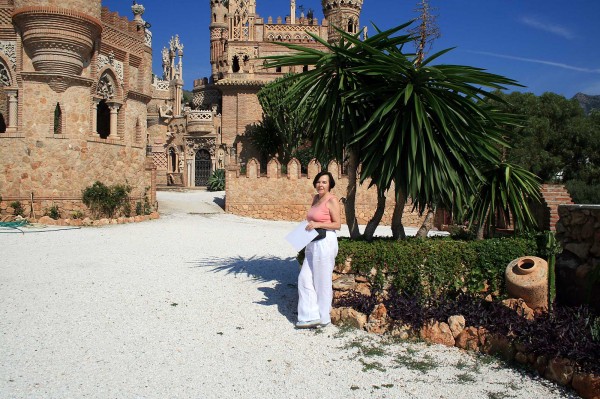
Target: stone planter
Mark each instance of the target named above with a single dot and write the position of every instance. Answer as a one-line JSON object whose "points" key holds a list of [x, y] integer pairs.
{"points": [[527, 278]]}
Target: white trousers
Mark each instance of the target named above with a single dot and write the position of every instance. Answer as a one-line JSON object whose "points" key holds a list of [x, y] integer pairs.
{"points": [[315, 292]]}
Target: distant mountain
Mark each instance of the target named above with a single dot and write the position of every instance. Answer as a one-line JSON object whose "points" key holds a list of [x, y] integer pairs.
{"points": [[587, 102]]}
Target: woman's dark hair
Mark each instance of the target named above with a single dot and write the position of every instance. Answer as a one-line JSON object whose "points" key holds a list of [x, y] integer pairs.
{"points": [[331, 179]]}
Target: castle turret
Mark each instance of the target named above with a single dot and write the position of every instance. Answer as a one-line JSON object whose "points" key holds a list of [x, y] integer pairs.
{"points": [[60, 40], [218, 33], [343, 14]]}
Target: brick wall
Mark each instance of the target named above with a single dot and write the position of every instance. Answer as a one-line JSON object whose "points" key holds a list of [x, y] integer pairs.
{"points": [[546, 213], [276, 196]]}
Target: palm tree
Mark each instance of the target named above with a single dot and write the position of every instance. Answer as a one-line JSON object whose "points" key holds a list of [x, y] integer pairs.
{"points": [[503, 195], [425, 129]]}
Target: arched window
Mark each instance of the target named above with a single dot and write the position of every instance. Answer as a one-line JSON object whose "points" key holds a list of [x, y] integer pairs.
{"points": [[103, 120], [236, 64], [138, 131], [350, 25], [2, 124], [58, 118], [305, 68], [278, 69]]}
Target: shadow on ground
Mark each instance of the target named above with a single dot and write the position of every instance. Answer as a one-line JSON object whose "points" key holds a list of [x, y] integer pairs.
{"points": [[282, 271], [220, 201]]}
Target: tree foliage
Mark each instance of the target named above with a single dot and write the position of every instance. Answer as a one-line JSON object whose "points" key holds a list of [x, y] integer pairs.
{"points": [[283, 128], [429, 130], [555, 139]]}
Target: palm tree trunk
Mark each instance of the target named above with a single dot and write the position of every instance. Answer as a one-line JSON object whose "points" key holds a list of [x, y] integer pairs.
{"points": [[350, 203], [397, 227], [481, 227], [374, 222], [427, 223]]}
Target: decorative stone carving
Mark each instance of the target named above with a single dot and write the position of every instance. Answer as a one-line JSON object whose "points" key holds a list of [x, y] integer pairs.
{"points": [[159, 84], [138, 11], [110, 60], [200, 116], [165, 111], [4, 76], [148, 38], [65, 48], [106, 87], [165, 62], [195, 144], [9, 50], [206, 98]]}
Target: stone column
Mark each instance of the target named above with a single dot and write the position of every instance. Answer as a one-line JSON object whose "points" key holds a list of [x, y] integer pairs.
{"points": [[190, 173], [114, 113], [13, 110], [293, 12], [95, 101]]}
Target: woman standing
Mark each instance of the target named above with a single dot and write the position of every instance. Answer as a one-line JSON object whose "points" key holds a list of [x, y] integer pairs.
{"points": [[315, 292]]}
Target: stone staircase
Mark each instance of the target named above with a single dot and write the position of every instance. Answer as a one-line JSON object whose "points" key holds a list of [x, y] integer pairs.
{"points": [[553, 195]]}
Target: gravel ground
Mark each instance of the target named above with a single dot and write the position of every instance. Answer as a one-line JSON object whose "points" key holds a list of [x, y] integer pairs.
{"points": [[201, 304]]}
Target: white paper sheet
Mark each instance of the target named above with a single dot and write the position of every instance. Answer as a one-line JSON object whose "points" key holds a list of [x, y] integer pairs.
{"points": [[300, 237]]}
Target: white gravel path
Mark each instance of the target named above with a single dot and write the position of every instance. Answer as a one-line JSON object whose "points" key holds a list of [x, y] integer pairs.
{"points": [[200, 305]]}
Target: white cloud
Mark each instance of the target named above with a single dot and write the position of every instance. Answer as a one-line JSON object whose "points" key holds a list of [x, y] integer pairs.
{"points": [[538, 61], [548, 27]]}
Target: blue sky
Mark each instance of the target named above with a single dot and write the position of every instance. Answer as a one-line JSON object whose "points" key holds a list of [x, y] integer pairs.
{"points": [[546, 45]]}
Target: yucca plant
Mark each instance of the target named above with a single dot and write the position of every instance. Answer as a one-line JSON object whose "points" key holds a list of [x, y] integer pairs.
{"points": [[216, 182], [503, 195], [426, 129]]}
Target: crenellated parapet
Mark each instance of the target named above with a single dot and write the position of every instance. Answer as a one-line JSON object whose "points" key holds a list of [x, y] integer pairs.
{"points": [[277, 195], [342, 14]]}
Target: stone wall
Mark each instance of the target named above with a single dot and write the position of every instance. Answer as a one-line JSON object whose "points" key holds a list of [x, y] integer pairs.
{"points": [[53, 166], [454, 331], [277, 196], [578, 231]]}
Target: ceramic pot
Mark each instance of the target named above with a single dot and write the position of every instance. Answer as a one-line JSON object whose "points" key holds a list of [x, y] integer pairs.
{"points": [[527, 278]]}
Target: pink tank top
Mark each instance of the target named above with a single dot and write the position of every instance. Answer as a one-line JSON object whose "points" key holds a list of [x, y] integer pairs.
{"points": [[319, 213]]}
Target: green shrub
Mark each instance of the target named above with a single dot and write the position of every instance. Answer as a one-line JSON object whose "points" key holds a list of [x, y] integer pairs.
{"points": [[147, 207], [53, 212], [435, 267], [139, 210], [583, 193], [18, 209], [127, 209], [77, 214], [105, 200], [216, 182]]}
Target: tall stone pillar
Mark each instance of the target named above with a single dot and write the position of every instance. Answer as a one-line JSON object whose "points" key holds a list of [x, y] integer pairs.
{"points": [[190, 173], [95, 102], [114, 113], [13, 110]]}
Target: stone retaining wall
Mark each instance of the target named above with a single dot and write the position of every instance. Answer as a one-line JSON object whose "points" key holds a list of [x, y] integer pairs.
{"points": [[277, 196], [455, 332], [578, 231]]}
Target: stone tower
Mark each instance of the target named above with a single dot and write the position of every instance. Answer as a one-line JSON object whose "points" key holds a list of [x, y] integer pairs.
{"points": [[65, 49], [219, 32], [76, 86], [343, 14], [242, 14]]}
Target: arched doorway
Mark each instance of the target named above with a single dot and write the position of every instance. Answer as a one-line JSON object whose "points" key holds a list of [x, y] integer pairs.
{"points": [[172, 160], [203, 168]]}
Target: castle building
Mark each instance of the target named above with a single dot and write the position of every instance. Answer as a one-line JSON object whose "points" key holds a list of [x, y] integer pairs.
{"points": [[74, 93], [188, 146]]}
